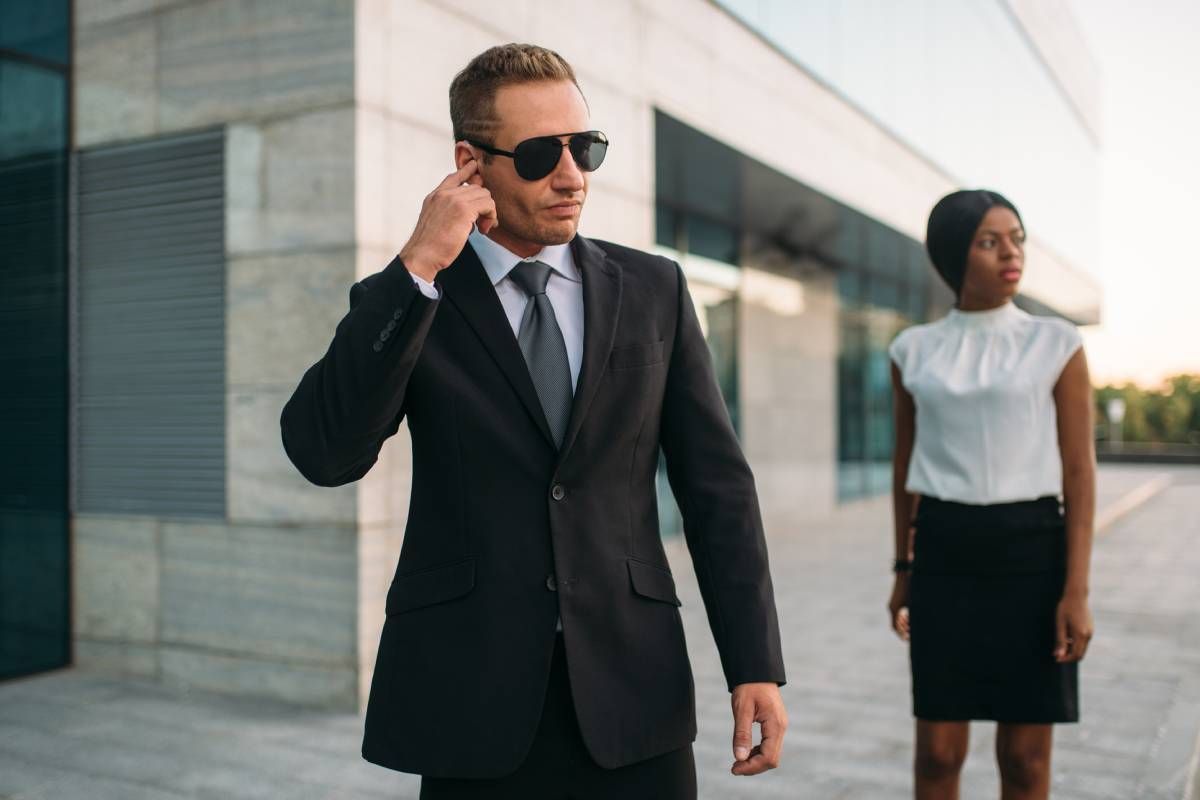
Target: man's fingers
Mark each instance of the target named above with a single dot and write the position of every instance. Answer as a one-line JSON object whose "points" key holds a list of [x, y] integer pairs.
{"points": [[771, 745], [486, 218], [459, 176], [752, 765], [743, 724]]}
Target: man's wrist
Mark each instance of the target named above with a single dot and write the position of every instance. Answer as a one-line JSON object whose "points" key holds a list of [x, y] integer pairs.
{"points": [[770, 684], [418, 266]]}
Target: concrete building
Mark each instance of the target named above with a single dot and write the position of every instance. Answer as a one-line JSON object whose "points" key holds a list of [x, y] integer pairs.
{"points": [[189, 187]]}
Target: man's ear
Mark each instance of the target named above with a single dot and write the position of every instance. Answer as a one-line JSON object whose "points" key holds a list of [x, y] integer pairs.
{"points": [[463, 152]]}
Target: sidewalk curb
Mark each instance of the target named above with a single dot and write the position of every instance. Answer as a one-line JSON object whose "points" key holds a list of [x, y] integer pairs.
{"points": [[1131, 500], [1191, 786]]}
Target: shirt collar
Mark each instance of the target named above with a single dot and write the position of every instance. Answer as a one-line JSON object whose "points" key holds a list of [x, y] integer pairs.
{"points": [[997, 317], [498, 260]]}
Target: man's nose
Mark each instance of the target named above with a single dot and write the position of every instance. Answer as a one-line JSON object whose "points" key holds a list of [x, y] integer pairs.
{"points": [[567, 175]]}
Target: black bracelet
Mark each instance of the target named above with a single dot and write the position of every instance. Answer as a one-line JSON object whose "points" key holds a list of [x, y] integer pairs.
{"points": [[902, 565]]}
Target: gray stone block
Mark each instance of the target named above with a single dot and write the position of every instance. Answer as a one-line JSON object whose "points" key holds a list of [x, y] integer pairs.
{"points": [[115, 574], [116, 657], [307, 178], [115, 88], [250, 59], [263, 485], [281, 314], [94, 12], [275, 594], [309, 685]]}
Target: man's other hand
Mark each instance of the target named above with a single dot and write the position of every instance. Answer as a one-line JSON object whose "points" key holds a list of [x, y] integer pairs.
{"points": [[761, 703]]}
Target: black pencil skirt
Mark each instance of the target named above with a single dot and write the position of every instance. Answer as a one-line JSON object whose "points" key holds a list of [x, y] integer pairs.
{"points": [[985, 587]]}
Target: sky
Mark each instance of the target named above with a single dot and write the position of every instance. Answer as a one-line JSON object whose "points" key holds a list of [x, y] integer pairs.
{"points": [[1149, 223]]}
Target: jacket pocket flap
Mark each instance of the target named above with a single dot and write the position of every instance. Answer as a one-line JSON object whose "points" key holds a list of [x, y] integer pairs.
{"points": [[636, 355], [653, 582], [430, 586]]}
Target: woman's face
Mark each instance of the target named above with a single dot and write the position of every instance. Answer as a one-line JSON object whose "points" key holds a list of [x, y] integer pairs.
{"points": [[995, 259]]}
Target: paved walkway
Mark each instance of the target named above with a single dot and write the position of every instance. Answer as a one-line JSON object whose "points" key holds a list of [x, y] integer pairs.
{"points": [[848, 695], [75, 734]]}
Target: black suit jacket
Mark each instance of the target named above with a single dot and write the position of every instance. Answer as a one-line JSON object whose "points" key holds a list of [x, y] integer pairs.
{"points": [[505, 532]]}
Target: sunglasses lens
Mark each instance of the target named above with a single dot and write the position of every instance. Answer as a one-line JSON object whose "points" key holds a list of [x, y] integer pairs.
{"points": [[534, 159], [588, 150]]}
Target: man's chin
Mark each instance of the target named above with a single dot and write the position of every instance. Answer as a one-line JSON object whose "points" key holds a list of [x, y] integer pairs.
{"points": [[557, 233]]}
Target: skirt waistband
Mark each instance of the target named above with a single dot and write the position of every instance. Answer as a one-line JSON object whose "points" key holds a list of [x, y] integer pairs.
{"points": [[1006, 538]]}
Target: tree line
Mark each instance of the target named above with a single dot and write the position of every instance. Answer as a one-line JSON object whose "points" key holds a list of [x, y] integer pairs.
{"points": [[1168, 414]]}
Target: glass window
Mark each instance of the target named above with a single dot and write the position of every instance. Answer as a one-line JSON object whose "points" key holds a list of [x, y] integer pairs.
{"points": [[33, 110], [879, 297], [717, 309], [666, 231], [711, 199], [34, 576], [711, 239], [1046, 158], [36, 28]]}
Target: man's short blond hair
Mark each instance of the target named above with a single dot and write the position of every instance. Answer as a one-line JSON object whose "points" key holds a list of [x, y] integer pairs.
{"points": [[473, 90]]}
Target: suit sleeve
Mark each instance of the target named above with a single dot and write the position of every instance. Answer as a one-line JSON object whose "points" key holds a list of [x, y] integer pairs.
{"points": [[352, 400], [721, 520]]}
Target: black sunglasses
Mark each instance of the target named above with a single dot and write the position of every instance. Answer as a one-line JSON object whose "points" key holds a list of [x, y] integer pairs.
{"points": [[536, 158]]}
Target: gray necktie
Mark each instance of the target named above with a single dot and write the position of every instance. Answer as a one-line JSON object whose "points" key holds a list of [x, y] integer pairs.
{"points": [[542, 344]]}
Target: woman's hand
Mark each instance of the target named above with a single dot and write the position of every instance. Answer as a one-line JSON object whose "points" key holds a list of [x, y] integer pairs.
{"points": [[898, 605], [1073, 625]]}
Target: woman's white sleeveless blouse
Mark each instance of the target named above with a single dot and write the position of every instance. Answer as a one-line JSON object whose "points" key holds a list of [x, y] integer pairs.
{"points": [[983, 383]]}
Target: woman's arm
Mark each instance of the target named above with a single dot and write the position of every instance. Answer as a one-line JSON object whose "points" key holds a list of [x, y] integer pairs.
{"points": [[903, 503], [1073, 403]]}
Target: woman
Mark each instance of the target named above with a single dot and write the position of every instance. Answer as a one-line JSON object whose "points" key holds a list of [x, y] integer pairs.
{"points": [[993, 414]]}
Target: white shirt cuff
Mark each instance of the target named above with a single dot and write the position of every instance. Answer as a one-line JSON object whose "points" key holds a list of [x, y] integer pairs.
{"points": [[427, 288]]}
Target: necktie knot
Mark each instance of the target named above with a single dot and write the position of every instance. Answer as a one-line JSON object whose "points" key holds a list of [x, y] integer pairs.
{"points": [[532, 277]]}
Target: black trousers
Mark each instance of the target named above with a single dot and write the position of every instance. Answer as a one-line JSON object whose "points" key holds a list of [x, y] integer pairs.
{"points": [[559, 767]]}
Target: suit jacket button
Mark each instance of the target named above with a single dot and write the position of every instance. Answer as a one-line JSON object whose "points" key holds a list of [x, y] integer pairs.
{"points": [[551, 584], [558, 492], [377, 346]]}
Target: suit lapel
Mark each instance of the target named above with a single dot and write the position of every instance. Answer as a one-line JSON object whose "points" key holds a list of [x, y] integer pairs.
{"points": [[601, 306], [467, 285]]}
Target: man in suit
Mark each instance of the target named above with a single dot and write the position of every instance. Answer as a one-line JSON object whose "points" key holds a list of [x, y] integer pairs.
{"points": [[533, 646]]}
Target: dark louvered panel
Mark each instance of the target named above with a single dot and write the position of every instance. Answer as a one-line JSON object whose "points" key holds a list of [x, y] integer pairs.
{"points": [[151, 399]]}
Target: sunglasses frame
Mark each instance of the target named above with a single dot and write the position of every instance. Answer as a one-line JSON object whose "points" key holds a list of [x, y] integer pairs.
{"points": [[593, 137]]}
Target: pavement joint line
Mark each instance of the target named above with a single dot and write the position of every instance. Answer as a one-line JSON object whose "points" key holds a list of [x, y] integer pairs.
{"points": [[1131, 500]]}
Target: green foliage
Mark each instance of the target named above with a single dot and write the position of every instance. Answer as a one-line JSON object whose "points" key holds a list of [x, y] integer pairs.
{"points": [[1170, 413]]}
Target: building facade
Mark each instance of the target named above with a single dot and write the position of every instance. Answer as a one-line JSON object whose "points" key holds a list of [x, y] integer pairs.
{"points": [[212, 175]]}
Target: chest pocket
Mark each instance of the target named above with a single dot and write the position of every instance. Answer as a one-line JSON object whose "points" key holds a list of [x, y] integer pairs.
{"points": [[636, 355]]}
